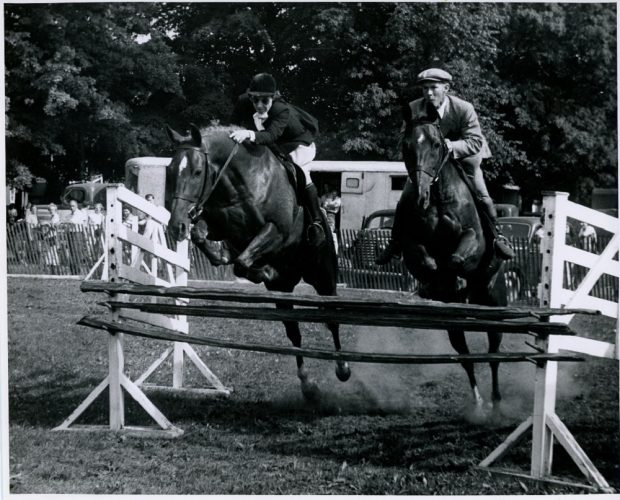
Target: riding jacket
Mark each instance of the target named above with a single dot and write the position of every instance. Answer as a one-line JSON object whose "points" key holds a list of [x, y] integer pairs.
{"points": [[459, 124], [282, 126]]}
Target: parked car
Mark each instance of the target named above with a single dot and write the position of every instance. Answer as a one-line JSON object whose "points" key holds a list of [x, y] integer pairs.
{"points": [[87, 194], [523, 272], [360, 248]]}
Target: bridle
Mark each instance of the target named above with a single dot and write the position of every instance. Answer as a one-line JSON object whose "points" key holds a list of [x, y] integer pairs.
{"points": [[444, 152], [197, 203]]}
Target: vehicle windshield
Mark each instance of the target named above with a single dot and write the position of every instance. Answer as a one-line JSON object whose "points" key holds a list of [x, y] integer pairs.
{"points": [[515, 229], [379, 222]]}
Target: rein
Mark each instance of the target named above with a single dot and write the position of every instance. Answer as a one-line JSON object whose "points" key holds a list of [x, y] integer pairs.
{"points": [[198, 203]]}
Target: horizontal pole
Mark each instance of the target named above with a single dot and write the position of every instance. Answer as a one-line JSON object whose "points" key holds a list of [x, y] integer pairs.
{"points": [[113, 328], [426, 307], [345, 316]]}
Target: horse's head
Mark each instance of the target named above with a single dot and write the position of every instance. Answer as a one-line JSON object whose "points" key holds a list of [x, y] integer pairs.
{"points": [[186, 179], [424, 153]]}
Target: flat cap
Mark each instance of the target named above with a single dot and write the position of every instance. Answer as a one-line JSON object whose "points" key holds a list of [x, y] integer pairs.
{"points": [[434, 75]]}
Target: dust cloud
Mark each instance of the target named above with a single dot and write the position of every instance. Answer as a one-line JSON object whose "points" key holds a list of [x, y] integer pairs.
{"points": [[401, 389]]}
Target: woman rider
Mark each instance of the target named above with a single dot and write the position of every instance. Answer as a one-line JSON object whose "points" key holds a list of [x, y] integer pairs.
{"points": [[271, 121]]}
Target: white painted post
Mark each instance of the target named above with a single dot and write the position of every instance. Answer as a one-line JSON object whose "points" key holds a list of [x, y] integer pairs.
{"points": [[178, 355], [114, 217], [554, 225]]}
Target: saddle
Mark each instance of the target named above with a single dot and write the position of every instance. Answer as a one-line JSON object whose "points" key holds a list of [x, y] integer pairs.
{"points": [[295, 174]]}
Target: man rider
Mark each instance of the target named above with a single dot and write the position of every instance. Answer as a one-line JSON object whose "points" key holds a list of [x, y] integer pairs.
{"points": [[460, 127], [270, 121]]}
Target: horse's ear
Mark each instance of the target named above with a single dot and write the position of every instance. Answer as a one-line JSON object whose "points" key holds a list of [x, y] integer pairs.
{"points": [[406, 109], [196, 135], [174, 136]]}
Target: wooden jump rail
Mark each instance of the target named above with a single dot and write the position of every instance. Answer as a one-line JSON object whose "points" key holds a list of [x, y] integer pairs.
{"points": [[162, 334]]}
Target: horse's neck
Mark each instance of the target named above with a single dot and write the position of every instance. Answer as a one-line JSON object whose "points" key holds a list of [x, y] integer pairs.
{"points": [[448, 182]]}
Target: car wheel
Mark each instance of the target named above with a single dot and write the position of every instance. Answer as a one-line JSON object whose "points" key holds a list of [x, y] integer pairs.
{"points": [[514, 284]]}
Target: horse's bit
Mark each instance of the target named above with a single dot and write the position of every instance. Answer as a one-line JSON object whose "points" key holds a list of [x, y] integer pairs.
{"points": [[199, 202]]}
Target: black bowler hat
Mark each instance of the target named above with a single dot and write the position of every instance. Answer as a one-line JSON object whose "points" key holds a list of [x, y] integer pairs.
{"points": [[263, 85]]}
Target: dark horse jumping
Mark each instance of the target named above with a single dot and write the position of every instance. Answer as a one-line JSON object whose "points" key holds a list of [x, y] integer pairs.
{"points": [[242, 196], [444, 244]]}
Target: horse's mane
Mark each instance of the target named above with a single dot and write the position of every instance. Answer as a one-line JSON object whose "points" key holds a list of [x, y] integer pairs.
{"points": [[213, 135]]}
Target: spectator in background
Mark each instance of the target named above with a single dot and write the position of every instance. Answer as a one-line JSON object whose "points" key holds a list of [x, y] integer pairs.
{"points": [[55, 218], [331, 203], [77, 216], [11, 214], [95, 218], [587, 237], [131, 221], [31, 215]]}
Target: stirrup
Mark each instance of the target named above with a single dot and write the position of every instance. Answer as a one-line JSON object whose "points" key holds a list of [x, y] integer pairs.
{"points": [[503, 248], [315, 234]]}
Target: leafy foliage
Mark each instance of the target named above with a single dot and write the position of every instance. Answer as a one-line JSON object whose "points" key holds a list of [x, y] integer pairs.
{"points": [[84, 95]]}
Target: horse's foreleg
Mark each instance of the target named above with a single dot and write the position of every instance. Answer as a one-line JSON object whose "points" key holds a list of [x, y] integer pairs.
{"points": [[457, 340], [467, 248], [309, 388], [419, 262], [268, 239], [216, 252]]}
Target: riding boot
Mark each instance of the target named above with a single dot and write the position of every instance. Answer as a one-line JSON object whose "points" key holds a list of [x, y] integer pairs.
{"points": [[316, 235], [393, 248], [503, 248]]}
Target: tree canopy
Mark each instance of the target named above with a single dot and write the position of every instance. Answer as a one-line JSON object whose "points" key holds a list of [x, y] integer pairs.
{"points": [[90, 85]]}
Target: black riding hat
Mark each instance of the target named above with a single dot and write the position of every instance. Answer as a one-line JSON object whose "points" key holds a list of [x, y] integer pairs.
{"points": [[263, 85]]}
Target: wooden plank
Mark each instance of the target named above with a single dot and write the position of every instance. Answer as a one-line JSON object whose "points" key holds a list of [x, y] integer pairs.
{"points": [[131, 430], [114, 328], [83, 405], [158, 250], [151, 369], [582, 345], [393, 303], [548, 480], [575, 451], [129, 273], [606, 307], [514, 438], [587, 259], [136, 393], [154, 319], [124, 195], [591, 216], [371, 318]]}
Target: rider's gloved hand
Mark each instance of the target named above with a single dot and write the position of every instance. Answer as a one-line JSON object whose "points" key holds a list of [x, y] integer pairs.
{"points": [[242, 135], [448, 145]]}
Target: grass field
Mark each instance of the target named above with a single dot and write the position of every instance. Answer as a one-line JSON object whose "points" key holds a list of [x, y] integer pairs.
{"points": [[389, 430]]}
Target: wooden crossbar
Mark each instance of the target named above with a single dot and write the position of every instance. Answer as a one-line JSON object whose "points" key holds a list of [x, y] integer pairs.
{"points": [[370, 317], [394, 303], [161, 334]]}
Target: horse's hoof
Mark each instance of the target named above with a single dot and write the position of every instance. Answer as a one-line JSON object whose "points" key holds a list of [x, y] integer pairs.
{"points": [[343, 372], [311, 392]]}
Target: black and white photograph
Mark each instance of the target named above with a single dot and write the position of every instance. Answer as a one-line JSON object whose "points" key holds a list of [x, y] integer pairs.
{"points": [[309, 248]]}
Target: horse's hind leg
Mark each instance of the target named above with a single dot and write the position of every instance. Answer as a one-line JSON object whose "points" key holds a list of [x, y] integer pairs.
{"points": [[343, 371], [309, 388], [457, 339], [495, 339], [325, 284]]}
